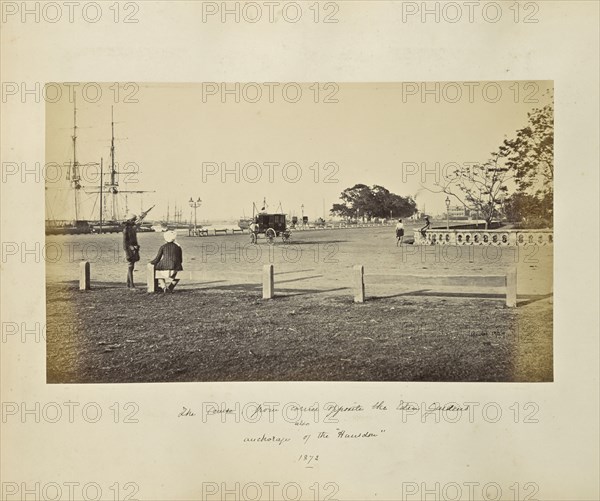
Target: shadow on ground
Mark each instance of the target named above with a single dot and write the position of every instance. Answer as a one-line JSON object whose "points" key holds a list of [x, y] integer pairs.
{"points": [[228, 333]]}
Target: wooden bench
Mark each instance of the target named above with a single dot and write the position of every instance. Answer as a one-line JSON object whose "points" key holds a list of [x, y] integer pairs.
{"points": [[151, 280], [506, 282]]}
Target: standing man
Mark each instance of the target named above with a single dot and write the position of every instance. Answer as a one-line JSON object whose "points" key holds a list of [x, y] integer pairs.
{"points": [[131, 247], [399, 232]]}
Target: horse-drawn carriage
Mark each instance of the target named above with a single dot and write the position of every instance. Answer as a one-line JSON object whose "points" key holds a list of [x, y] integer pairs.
{"points": [[272, 226]]}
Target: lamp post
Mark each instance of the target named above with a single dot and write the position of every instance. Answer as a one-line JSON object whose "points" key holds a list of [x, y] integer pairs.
{"points": [[447, 213], [302, 209], [195, 205]]}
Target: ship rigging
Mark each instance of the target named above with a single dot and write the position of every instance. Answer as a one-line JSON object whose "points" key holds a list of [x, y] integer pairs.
{"points": [[108, 193]]}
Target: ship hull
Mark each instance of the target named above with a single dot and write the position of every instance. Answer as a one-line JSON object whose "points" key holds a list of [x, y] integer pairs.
{"points": [[69, 228], [244, 224]]}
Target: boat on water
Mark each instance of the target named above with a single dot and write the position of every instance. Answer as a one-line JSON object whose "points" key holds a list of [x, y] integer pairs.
{"points": [[84, 227], [159, 227], [245, 222], [109, 220], [166, 226], [68, 227], [117, 227]]}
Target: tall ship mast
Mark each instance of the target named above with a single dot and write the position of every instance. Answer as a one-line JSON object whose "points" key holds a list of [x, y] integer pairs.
{"points": [[75, 224], [109, 217], [75, 174]]}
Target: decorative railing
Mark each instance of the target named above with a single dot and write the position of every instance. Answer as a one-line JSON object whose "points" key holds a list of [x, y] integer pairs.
{"points": [[484, 237], [341, 225]]}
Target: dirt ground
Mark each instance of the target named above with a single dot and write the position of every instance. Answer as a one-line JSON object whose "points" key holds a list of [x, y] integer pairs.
{"points": [[317, 259], [216, 327]]}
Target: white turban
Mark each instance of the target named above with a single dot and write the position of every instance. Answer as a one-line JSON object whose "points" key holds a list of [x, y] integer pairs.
{"points": [[170, 235]]}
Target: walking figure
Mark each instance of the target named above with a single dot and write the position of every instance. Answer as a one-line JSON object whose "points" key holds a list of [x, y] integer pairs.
{"points": [[254, 229], [399, 232]]}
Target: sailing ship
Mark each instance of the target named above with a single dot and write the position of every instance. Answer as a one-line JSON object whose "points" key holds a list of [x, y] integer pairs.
{"points": [[110, 218], [245, 222], [174, 222], [73, 176]]}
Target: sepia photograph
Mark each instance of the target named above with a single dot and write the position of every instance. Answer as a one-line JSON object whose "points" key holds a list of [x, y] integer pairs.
{"points": [[340, 250], [312, 231]]}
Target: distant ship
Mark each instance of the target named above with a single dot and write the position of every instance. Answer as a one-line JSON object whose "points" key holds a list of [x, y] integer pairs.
{"points": [[245, 222], [165, 226], [174, 221], [159, 227], [68, 227]]}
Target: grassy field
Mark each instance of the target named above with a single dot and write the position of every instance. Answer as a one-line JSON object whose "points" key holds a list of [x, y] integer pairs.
{"points": [[216, 327]]}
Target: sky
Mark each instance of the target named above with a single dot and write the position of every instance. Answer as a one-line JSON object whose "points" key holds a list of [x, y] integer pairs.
{"points": [[233, 149]]}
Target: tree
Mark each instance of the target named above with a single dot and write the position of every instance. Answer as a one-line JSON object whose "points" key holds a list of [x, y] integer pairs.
{"points": [[370, 202], [342, 211], [358, 198], [530, 154], [523, 165], [482, 187], [529, 210], [519, 206]]}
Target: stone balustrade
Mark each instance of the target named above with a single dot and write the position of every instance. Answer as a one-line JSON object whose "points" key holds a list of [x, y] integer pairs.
{"points": [[499, 237]]}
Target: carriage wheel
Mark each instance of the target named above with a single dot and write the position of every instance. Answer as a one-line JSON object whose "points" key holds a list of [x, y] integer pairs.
{"points": [[270, 235]]}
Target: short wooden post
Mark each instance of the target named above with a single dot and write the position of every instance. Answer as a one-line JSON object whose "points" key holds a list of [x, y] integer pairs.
{"points": [[511, 288], [150, 278], [84, 276], [268, 281], [359, 283]]}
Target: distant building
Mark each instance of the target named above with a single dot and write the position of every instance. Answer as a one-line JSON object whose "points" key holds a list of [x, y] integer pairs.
{"points": [[459, 212]]}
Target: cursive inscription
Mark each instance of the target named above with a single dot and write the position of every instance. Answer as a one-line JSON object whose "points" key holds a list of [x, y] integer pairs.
{"points": [[269, 439], [334, 409], [186, 412]]}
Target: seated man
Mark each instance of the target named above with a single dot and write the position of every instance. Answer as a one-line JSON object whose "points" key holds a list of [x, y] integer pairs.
{"points": [[168, 262]]}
